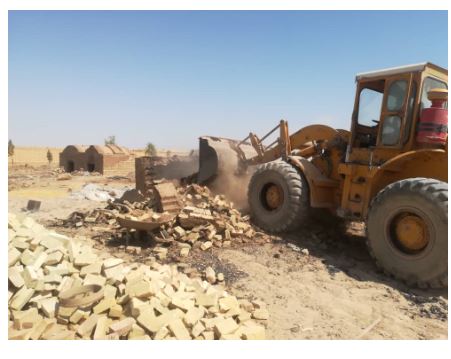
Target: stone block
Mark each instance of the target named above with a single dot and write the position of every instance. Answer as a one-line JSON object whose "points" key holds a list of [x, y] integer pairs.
{"points": [[101, 328], [54, 258], [179, 330], [104, 305], [225, 326], [112, 262], [15, 276], [48, 306], [261, 314], [115, 311], [122, 327], [21, 297], [86, 328], [206, 245], [193, 315], [227, 303], [94, 268], [13, 256]]}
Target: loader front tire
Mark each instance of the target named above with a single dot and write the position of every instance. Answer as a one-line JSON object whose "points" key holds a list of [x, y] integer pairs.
{"points": [[278, 197], [407, 231]]}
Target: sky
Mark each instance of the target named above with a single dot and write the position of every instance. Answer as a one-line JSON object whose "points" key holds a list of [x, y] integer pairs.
{"points": [[168, 77]]}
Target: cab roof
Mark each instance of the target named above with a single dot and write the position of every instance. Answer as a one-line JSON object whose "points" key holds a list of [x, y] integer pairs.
{"points": [[399, 70]]}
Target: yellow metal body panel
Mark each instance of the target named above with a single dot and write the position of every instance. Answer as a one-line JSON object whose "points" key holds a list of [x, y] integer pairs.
{"points": [[348, 179]]}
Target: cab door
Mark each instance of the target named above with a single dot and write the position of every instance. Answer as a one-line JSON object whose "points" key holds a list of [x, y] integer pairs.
{"points": [[393, 116]]}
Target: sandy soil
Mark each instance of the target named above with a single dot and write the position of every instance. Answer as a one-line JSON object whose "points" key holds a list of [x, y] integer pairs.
{"points": [[333, 292]]}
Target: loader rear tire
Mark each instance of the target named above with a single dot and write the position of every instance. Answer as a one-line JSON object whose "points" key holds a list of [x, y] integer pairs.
{"points": [[407, 231], [278, 197]]}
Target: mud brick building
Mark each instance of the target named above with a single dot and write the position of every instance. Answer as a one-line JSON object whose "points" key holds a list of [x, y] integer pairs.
{"points": [[110, 159], [73, 158]]}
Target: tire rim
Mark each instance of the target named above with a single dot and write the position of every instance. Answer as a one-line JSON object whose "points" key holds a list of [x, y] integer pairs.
{"points": [[409, 232], [272, 196]]}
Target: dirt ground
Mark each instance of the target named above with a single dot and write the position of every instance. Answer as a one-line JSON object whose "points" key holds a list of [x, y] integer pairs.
{"points": [[318, 283]]}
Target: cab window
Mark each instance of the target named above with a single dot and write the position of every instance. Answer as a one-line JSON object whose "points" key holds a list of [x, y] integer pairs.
{"points": [[430, 83], [396, 95], [391, 127], [370, 105]]}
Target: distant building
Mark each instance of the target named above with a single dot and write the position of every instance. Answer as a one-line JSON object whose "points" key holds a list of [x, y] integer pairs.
{"points": [[107, 159], [73, 158]]}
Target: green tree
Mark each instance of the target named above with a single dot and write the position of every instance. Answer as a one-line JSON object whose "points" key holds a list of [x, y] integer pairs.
{"points": [[49, 156], [11, 150], [111, 140], [150, 149], [168, 153]]}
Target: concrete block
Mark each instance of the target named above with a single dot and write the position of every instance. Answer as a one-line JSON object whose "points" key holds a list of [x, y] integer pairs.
{"points": [[184, 304], [206, 300], [65, 312], [115, 311], [15, 276], [227, 303], [86, 328], [142, 290], [179, 330], [197, 329], [48, 306], [161, 334], [94, 279], [206, 245], [152, 323], [39, 260], [116, 273], [104, 305], [84, 259], [260, 314], [101, 328], [13, 256], [54, 258], [77, 316], [210, 275], [193, 315], [225, 326], [123, 327], [27, 257], [254, 332], [26, 319], [94, 268], [136, 332], [208, 335], [184, 252], [21, 297], [40, 328], [112, 262]]}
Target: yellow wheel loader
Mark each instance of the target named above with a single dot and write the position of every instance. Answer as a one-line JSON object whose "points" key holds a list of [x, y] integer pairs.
{"points": [[390, 171]]}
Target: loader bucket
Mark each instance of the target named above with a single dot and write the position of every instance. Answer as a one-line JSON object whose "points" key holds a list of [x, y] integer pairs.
{"points": [[217, 157]]}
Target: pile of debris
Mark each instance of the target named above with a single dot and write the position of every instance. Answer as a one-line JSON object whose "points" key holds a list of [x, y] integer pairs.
{"points": [[59, 288], [201, 220]]}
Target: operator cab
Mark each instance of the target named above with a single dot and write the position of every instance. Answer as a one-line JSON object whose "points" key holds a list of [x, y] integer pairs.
{"points": [[387, 106]]}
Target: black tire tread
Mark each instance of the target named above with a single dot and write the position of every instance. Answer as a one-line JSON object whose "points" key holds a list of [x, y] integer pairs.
{"points": [[436, 191], [298, 196]]}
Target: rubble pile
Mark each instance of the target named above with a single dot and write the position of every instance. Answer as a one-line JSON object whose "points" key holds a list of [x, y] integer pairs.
{"points": [[59, 288], [204, 221]]}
